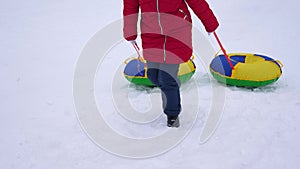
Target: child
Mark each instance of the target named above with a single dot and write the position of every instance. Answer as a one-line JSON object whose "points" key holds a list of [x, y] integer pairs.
{"points": [[167, 41]]}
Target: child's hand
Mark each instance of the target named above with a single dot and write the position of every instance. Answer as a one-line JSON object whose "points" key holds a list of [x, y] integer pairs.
{"points": [[132, 42]]}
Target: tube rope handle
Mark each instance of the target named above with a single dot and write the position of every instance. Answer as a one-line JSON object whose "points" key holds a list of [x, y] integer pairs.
{"points": [[280, 63], [223, 50], [137, 49]]}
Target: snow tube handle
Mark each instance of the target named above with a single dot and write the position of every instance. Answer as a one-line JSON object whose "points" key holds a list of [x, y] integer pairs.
{"points": [[128, 59], [280, 63], [217, 53]]}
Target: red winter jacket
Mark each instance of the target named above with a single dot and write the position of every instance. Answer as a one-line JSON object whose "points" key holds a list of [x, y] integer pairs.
{"points": [[166, 27]]}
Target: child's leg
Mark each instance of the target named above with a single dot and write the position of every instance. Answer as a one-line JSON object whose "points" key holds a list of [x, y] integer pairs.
{"points": [[153, 72], [165, 76], [169, 84]]}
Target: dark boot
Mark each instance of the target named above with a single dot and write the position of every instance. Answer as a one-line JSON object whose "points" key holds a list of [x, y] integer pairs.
{"points": [[173, 121]]}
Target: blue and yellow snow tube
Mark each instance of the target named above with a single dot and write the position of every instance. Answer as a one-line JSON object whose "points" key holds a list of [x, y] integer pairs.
{"points": [[250, 70], [136, 71]]}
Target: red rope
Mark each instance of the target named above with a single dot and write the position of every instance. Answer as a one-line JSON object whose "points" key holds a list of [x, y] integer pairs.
{"points": [[137, 49], [224, 51]]}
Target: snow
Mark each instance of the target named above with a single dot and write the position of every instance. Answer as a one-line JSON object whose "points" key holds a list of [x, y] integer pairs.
{"points": [[42, 40]]}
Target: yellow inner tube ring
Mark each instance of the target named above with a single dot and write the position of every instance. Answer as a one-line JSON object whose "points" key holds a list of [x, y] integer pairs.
{"points": [[250, 70]]}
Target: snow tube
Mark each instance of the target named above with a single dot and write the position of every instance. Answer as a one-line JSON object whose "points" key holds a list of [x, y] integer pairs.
{"points": [[136, 71], [250, 70]]}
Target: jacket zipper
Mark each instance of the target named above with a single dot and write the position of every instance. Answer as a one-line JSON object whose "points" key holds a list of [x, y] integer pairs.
{"points": [[161, 31], [165, 54], [158, 15]]}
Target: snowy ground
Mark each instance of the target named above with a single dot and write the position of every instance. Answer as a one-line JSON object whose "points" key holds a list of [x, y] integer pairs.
{"points": [[40, 44]]}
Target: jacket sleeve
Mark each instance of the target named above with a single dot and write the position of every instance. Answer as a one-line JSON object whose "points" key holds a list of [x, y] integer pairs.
{"points": [[204, 13], [130, 18]]}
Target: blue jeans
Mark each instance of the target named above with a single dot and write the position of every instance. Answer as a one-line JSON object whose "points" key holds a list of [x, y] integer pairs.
{"points": [[165, 76]]}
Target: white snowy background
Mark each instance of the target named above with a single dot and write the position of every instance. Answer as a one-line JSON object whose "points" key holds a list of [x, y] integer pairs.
{"points": [[42, 39]]}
